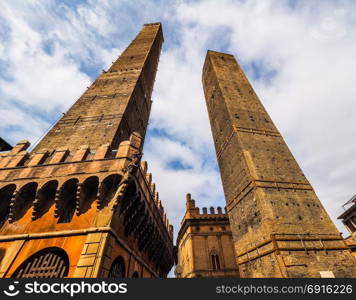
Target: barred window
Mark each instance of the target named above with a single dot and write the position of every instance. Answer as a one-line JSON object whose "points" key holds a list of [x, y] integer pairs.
{"points": [[48, 263]]}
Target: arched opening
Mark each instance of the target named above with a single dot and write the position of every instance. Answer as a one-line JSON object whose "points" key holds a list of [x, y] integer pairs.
{"points": [[117, 269], [66, 202], [141, 224], [129, 197], [108, 188], [44, 199], [88, 194], [135, 275], [5, 197], [23, 201], [133, 215], [50, 262], [146, 235]]}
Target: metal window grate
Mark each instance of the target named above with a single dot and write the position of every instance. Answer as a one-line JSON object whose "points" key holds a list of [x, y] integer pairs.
{"points": [[44, 264]]}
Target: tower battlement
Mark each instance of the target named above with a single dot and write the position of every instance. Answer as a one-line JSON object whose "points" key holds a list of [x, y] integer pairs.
{"points": [[193, 211], [29, 168], [205, 246]]}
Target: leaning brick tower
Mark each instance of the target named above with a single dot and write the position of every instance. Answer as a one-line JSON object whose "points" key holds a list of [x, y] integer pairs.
{"points": [[279, 226], [81, 203]]}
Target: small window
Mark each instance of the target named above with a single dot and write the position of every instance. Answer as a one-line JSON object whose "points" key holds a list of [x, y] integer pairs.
{"points": [[215, 261]]}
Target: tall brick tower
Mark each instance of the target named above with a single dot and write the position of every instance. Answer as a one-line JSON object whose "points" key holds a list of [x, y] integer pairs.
{"points": [[82, 203], [279, 226]]}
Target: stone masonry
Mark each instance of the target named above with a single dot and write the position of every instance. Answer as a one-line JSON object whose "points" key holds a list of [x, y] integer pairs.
{"points": [[205, 246], [279, 226], [82, 203]]}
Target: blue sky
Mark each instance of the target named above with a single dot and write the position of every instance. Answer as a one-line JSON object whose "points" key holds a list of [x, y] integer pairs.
{"points": [[299, 56]]}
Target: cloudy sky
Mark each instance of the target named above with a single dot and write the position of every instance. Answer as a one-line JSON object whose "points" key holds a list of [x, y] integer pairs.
{"points": [[299, 56]]}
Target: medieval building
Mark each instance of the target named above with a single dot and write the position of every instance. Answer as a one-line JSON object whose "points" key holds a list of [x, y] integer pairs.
{"points": [[81, 203], [279, 226], [205, 246]]}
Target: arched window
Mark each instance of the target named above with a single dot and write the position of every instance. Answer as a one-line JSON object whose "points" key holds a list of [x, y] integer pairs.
{"points": [[48, 263], [117, 269], [135, 275], [215, 261]]}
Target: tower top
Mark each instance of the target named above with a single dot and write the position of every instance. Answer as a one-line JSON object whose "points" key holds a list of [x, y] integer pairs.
{"points": [[267, 195], [118, 102], [190, 203], [153, 24], [193, 212], [213, 52]]}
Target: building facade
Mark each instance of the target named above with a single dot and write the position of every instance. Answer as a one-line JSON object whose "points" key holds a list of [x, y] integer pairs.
{"points": [[348, 218], [81, 203], [279, 226], [205, 246]]}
